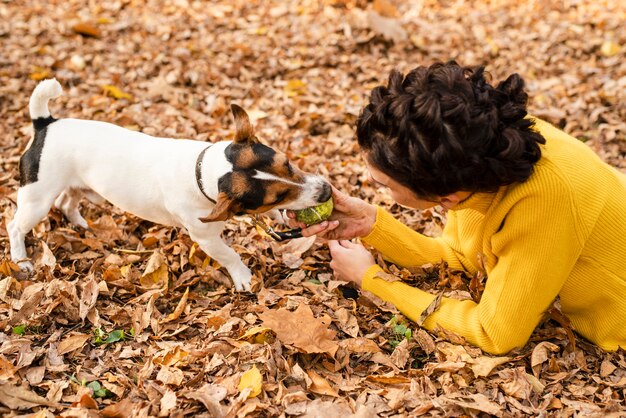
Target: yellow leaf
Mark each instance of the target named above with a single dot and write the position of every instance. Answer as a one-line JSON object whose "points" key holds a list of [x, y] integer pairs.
{"points": [[295, 88], [39, 74], [610, 48], [256, 335], [156, 274], [115, 92], [174, 358], [86, 29], [179, 308], [251, 379]]}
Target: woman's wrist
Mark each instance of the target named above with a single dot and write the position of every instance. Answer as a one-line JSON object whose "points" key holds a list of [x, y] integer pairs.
{"points": [[369, 219]]}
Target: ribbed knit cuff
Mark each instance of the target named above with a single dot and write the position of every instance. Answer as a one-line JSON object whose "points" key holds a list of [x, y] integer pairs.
{"points": [[383, 221], [409, 300]]}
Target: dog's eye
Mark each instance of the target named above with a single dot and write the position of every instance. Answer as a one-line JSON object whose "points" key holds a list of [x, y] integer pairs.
{"points": [[280, 197]]}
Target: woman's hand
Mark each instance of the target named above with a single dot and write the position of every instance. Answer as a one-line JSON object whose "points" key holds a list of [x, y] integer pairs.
{"points": [[351, 218], [350, 261]]}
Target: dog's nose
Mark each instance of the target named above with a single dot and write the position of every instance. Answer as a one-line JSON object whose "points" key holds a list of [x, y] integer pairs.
{"points": [[325, 193]]}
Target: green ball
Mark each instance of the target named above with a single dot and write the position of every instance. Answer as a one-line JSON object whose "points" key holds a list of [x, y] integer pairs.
{"points": [[315, 214]]}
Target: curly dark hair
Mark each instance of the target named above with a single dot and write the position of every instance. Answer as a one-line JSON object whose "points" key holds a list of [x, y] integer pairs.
{"points": [[444, 128]]}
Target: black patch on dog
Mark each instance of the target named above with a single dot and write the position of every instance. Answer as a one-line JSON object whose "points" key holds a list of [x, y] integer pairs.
{"points": [[29, 162], [251, 198], [263, 156]]}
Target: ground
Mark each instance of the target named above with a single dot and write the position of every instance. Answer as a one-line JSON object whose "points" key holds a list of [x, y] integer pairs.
{"points": [[131, 319]]}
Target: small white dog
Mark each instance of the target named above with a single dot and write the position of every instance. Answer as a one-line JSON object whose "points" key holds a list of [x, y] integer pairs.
{"points": [[164, 180]]}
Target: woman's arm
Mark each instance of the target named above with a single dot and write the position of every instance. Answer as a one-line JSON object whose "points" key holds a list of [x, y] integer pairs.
{"points": [[406, 247], [536, 250]]}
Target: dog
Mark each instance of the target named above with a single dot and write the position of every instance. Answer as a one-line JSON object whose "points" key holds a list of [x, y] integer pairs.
{"points": [[182, 183]]}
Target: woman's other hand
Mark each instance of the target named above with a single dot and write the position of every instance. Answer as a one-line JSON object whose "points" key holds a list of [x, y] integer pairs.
{"points": [[349, 261], [351, 218]]}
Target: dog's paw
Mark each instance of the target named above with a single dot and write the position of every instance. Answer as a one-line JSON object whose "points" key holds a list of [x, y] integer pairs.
{"points": [[242, 281], [26, 267]]}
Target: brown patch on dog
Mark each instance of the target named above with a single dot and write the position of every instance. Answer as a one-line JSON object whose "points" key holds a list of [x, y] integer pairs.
{"points": [[246, 159], [277, 193], [240, 184]]}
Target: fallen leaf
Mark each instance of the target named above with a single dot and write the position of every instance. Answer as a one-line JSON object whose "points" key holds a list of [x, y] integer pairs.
{"points": [[295, 87], [256, 335], [210, 395], [156, 273], [182, 303], [301, 329], [72, 342], [18, 397], [122, 409], [168, 402], [253, 380], [540, 354], [88, 297], [610, 48], [320, 385], [86, 29], [432, 307], [47, 258], [389, 28], [483, 365], [115, 92]]}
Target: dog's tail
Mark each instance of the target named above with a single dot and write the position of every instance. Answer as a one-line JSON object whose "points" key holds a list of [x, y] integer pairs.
{"points": [[46, 90]]}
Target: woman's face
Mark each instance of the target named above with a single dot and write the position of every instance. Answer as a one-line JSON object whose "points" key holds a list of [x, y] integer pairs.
{"points": [[399, 192], [405, 196]]}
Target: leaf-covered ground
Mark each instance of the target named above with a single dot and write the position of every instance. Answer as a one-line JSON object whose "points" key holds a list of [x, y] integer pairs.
{"points": [[132, 319]]}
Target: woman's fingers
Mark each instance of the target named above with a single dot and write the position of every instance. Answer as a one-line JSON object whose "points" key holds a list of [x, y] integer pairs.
{"points": [[319, 228]]}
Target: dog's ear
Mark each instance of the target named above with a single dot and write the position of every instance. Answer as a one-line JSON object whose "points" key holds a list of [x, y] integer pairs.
{"points": [[244, 130], [225, 207]]}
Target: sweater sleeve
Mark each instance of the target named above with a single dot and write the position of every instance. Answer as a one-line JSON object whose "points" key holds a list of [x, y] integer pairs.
{"points": [[536, 249], [408, 248]]}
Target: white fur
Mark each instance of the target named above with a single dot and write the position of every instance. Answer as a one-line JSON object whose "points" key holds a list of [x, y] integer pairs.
{"points": [[46, 90], [153, 178]]}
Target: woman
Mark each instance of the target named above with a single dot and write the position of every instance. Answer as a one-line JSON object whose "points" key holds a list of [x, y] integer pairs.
{"points": [[532, 207]]}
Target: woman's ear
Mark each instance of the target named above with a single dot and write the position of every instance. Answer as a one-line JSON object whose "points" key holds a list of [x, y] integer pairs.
{"points": [[453, 199], [225, 207]]}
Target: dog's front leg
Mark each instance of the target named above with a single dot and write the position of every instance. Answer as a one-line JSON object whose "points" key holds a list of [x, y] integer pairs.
{"points": [[208, 238]]}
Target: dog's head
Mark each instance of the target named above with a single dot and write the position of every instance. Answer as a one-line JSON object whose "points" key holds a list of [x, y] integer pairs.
{"points": [[261, 178]]}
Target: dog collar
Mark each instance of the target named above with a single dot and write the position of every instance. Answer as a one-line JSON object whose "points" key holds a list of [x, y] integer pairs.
{"points": [[199, 174]]}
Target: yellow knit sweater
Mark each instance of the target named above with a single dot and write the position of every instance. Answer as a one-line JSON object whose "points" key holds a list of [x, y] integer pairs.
{"points": [[562, 232]]}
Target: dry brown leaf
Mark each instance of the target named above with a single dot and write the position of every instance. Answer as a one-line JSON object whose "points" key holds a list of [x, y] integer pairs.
{"points": [[122, 409], [359, 345], [7, 369], [301, 329], [389, 28], [156, 273], [482, 366], [72, 342], [18, 397], [182, 304], [432, 307], [320, 385], [541, 353], [210, 395], [168, 402], [479, 402], [88, 297]]}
